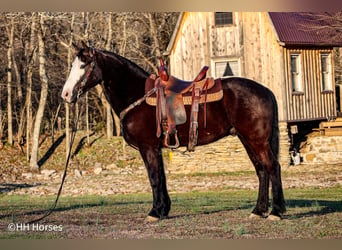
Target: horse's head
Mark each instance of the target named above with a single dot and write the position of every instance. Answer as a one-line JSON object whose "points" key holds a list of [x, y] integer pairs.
{"points": [[84, 74]]}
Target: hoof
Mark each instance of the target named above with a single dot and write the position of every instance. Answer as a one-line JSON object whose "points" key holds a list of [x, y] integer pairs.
{"points": [[151, 219], [272, 217], [255, 217]]}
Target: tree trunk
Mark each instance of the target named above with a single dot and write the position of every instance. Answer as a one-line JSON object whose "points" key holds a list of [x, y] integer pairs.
{"points": [[43, 96], [109, 117], [154, 36], [18, 78], [21, 109], [87, 119], [9, 84], [31, 55], [1, 122], [86, 35], [67, 107]]}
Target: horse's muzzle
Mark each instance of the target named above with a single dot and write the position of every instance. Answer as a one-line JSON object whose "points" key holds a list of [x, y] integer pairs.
{"points": [[68, 96]]}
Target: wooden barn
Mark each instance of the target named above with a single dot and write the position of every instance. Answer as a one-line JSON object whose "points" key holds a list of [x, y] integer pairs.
{"points": [[290, 53]]}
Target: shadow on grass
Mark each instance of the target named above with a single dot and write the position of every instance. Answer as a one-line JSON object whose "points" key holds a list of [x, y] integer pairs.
{"points": [[82, 143], [70, 208], [51, 150], [55, 145], [315, 207], [312, 207], [8, 187]]}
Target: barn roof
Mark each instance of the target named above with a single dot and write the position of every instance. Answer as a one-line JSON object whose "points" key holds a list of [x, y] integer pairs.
{"points": [[308, 29]]}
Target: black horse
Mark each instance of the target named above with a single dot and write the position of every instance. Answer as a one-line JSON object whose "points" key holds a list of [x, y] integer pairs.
{"points": [[247, 108]]}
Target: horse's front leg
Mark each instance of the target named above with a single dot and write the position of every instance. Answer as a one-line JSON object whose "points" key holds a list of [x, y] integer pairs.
{"points": [[153, 160]]}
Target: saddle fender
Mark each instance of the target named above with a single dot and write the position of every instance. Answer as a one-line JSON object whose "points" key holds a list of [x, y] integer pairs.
{"points": [[175, 109]]}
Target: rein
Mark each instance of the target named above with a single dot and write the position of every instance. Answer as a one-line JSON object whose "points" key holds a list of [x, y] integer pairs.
{"points": [[72, 139], [136, 103], [132, 106]]}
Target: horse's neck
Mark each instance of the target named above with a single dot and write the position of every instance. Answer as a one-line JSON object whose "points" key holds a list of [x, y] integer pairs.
{"points": [[122, 87]]}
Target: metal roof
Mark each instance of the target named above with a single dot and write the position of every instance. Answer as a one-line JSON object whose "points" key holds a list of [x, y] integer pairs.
{"points": [[310, 29]]}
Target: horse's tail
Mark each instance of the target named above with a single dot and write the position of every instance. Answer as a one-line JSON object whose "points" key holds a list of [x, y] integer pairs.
{"points": [[274, 140]]}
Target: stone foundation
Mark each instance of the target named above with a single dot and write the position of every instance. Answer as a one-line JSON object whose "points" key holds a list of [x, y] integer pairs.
{"points": [[320, 149], [227, 154]]}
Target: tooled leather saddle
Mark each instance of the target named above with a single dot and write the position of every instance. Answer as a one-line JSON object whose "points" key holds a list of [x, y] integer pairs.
{"points": [[171, 96]]}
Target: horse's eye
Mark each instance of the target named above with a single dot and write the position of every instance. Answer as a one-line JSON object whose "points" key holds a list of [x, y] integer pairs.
{"points": [[83, 66]]}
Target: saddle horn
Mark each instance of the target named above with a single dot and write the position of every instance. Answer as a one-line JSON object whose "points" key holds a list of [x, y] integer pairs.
{"points": [[162, 71]]}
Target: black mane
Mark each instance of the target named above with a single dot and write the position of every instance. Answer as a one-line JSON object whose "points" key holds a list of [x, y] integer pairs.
{"points": [[126, 62]]}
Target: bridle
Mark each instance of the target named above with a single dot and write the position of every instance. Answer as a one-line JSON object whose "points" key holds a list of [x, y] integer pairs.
{"points": [[86, 75]]}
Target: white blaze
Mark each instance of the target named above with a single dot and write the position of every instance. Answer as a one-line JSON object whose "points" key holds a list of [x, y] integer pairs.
{"points": [[75, 75]]}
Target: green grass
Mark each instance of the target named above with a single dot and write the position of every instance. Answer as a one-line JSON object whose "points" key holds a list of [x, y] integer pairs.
{"points": [[312, 213]]}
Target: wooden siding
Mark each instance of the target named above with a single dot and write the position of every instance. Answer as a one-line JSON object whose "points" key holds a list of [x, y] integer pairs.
{"points": [[313, 103], [224, 41], [199, 41], [263, 56], [191, 50]]}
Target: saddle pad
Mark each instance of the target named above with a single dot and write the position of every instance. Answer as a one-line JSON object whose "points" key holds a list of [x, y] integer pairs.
{"points": [[214, 94]]}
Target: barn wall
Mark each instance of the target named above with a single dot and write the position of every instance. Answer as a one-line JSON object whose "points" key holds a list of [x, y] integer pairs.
{"points": [[225, 41], [263, 56], [198, 42], [191, 51], [313, 103]]}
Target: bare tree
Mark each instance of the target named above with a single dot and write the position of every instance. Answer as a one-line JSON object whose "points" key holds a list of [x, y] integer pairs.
{"points": [[109, 117], [153, 31], [139, 37], [43, 95], [67, 107], [86, 36], [29, 64], [2, 123], [10, 33]]}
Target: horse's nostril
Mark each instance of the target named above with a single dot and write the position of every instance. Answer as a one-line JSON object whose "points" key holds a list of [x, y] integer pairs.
{"points": [[65, 94]]}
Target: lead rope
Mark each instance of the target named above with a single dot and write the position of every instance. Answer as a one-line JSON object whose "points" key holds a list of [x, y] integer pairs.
{"points": [[72, 139]]}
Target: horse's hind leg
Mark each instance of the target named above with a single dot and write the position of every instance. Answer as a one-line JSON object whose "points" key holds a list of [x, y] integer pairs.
{"points": [[267, 167], [278, 201], [153, 160], [261, 207]]}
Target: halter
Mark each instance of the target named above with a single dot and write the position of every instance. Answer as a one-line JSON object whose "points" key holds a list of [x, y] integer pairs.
{"points": [[86, 75]]}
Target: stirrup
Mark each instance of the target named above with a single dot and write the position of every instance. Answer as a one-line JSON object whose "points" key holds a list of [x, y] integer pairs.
{"points": [[166, 141]]}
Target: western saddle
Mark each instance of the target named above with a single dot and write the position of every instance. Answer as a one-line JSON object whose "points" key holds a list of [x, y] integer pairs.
{"points": [[171, 96]]}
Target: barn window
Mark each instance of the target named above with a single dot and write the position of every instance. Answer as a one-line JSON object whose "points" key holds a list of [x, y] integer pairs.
{"points": [[227, 68], [296, 74], [223, 18], [326, 72]]}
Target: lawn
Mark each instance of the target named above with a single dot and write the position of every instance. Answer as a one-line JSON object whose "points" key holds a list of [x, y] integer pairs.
{"points": [[313, 213]]}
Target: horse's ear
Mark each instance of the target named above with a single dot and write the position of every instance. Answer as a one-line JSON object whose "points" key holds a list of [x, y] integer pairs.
{"points": [[75, 46], [85, 46]]}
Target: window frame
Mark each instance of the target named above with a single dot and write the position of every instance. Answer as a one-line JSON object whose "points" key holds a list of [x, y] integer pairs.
{"points": [[324, 85], [226, 60], [297, 88], [223, 24]]}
